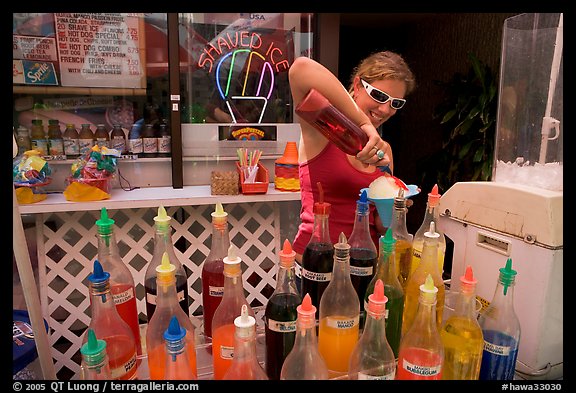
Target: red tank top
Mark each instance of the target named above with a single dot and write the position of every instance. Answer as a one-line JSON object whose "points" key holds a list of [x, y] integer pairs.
{"points": [[341, 183]]}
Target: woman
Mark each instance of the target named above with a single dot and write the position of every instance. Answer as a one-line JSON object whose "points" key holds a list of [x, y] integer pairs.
{"points": [[378, 87]]}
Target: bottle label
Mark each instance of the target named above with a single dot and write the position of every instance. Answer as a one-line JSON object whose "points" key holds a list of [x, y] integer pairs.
{"points": [[282, 327], [421, 371], [298, 269], [339, 323], [135, 145], [361, 271], [71, 147], [56, 147], [151, 298], [124, 369], [150, 145], [85, 145], [226, 352], [316, 276], [41, 145], [123, 297], [118, 143], [496, 349], [102, 142], [164, 144], [215, 291], [417, 253], [362, 376]]}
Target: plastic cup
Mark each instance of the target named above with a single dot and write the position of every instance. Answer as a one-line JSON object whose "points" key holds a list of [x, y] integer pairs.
{"points": [[450, 304], [385, 206]]}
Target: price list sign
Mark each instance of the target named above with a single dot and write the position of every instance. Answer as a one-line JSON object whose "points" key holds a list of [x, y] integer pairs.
{"points": [[101, 49]]}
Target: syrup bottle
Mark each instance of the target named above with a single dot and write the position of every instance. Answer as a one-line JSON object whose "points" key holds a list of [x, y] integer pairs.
{"points": [[95, 364], [178, 365], [363, 253], [421, 351], [223, 321], [501, 329], [107, 324], [404, 240], [427, 266], [432, 213], [167, 307], [281, 315], [372, 357], [386, 272], [318, 257], [213, 268], [337, 128], [461, 334], [339, 313], [163, 244], [121, 279], [245, 364], [304, 362]]}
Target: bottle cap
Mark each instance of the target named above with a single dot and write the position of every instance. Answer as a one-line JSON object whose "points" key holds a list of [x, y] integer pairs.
{"points": [[342, 247], [306, 308], [94, 349], [244, 323], [287, 255], [219, 211], [377, 300], [290, 154], [165, 271], [400, 200], [434, 196], [362, 203], [162, 220], [432, 234], [387, 241], [321, 207], [428, 290], [507, 275], [468, 280], [174, 332], [105, 223], [98, 275], [232, 261]]}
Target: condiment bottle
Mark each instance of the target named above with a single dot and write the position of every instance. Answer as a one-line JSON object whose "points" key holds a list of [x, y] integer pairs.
{"points": [[372, 357], [363, 252], [223, 321], [432, 213], [121, 280], [427, 266], [280, 314], [213, 267], [421, 351], [178, 365], [95, 363], [461, 334], [404, 240], [339, 313], [163, 244], [501, 329], [304, 362], [107, 324], [318, 256], [337, 128], [245, 365], [386, 271]]}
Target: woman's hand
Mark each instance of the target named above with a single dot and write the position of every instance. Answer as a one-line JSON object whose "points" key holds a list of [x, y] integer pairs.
{"points": [[376, 151]]}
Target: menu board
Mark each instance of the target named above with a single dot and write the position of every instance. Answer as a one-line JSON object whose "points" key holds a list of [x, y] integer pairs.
{"points": [[101, 49]]}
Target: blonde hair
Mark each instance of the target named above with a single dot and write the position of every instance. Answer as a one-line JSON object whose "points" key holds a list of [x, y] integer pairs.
{"points": [[384, 65]]}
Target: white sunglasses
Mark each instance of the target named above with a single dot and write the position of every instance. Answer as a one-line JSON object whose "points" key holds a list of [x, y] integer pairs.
{"points": [[381, 97]]}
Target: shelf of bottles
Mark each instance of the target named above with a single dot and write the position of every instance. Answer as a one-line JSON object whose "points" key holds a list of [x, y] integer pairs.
{"points": [[67, 247]]}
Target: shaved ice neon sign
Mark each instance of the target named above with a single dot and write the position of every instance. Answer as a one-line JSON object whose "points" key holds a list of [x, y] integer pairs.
{"points": [[241, 54]]}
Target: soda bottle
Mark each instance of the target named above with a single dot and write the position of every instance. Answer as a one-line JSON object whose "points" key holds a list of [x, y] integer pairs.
{"points": [[101, 136], [421, 350], [339, 313], [363, 252], [149, 141], [55, 141], [118, 139], [280, 314], [71, 141], [164, 140], [213, 268], [135, 140], [107, 324]]}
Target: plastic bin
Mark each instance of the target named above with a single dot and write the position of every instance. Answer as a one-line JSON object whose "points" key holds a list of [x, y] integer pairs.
{"points": [[260, 186]]}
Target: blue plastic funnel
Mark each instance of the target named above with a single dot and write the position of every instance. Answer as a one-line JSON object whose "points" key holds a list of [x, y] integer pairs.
{"points": [[385, 205]]}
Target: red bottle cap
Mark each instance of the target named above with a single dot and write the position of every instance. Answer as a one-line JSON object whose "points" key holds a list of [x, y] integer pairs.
{"points": [[321, 207]]}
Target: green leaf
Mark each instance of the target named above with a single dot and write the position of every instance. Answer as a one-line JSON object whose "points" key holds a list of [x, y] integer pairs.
{"points": [[465, 150], [449, 115], [465, 126], [479, 154]]}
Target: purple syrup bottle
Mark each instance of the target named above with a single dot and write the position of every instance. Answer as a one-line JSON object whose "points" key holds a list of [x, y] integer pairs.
{"points": [[323, 116]]}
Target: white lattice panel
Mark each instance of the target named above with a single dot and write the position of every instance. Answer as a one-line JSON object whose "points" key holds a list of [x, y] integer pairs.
{"points": [[67, 247]]}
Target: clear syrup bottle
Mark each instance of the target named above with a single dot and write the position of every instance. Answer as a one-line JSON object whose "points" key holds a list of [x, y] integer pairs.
{"points": [[404, 240], [95, 364], [178, 365]]}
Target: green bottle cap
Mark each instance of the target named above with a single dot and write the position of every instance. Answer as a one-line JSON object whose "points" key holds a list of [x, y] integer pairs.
{"points": [[104, 223], [93, 347], [507, 275], [388, 242]]}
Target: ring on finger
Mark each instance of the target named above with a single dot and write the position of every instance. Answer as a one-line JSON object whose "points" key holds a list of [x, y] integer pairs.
{"points": [[380, 154]]}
